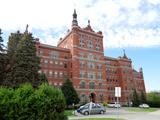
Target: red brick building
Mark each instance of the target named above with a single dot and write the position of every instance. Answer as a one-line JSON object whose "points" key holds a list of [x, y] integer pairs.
{"points": [[79, 56]]}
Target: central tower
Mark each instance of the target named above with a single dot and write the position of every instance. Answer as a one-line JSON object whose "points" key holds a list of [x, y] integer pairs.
{"points": [[87, 61]]}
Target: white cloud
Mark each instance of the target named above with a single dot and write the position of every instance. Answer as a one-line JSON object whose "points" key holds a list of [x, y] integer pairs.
{"points": [[121, 21], [133, 38], [131, 4], [154, 2]]}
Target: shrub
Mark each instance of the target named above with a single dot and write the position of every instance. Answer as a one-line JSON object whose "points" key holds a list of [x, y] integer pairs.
{"points": [[6, 102], [27, 103], [154, 103], [105, 104]]}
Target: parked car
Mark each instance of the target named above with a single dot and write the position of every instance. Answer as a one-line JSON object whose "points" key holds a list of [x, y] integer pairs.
{"points": [[114, 105], [144, 106], [95, 108]]}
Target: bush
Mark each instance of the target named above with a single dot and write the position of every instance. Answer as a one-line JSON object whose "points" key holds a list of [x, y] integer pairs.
{"points": [[153, 99], [25, 102], [154, 103], [6, 102], [105, 104]]}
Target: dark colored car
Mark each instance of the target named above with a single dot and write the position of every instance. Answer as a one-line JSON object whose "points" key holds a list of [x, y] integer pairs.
{"points": [[91, 108]]}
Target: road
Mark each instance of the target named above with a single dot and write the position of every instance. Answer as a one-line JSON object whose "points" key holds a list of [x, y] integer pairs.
{"points": [[122, 113]]}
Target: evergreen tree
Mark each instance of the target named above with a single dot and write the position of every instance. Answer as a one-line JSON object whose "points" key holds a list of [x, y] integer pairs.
{"points": [[24, 65], [2, 60], [135, 99], [1, 41], [143, 97], [70, 93], [13, 42]]}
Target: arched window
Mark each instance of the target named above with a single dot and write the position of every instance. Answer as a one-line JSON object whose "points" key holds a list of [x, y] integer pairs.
{"points": [[82, 85], [92, 85], [101, 98], [83, 98]]}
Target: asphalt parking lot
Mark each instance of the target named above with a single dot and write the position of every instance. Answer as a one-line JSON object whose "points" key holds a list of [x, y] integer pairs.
{"points": [[122, 113]]}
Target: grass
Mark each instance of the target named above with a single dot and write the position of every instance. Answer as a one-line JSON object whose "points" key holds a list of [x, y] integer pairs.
{"points": [[141, 109], [100, 119], [69, 112]]}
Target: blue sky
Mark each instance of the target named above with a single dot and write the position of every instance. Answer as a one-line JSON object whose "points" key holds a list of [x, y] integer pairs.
{"points": [[133, 25]]}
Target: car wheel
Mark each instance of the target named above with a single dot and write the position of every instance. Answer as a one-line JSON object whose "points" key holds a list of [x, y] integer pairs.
{"points": [[86, 113], [101, 112]]}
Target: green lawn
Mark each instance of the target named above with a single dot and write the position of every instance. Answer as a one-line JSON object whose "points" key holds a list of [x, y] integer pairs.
{"points": [[100, 119], [68, 112], [141, 109]]}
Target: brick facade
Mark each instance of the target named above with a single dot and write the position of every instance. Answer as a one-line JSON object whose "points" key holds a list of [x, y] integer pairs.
{"points": [[79, 56]]}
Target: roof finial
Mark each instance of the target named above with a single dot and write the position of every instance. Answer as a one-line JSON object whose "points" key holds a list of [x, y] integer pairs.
{"points": [[1, 40], [124, 55], [124, 51], [74, 21], [0, 31], [88, 22], [27, 28]]}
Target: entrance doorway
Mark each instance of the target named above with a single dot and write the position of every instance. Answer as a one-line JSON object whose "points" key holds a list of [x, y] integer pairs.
{"points": [[92, 97]]}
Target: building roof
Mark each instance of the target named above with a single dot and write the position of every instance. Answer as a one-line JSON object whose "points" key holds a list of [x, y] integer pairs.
{"points": [[55, 47]]}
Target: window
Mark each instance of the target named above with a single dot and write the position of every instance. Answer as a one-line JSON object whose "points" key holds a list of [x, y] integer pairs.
{"points": [[51, 62], [56, 64], [98, 57], [82, 85], [100, 85], [101, 98], [55, 84], [91, 75], [94, 75], [65, 57], [99, 66], [92, 85], [97, 46], [60, 84], [82, 64], [39, 71], [45, 63], [41, 53], [81, 41], [50, 73], [61, 64], [90, 57], [54, 55], [83, 98], [82, 74], [81, 55], [65, 75], [61, 74], [100, 76], [45, 72], [65, 65], [91, 65], [90, 44], [55, 74]]}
